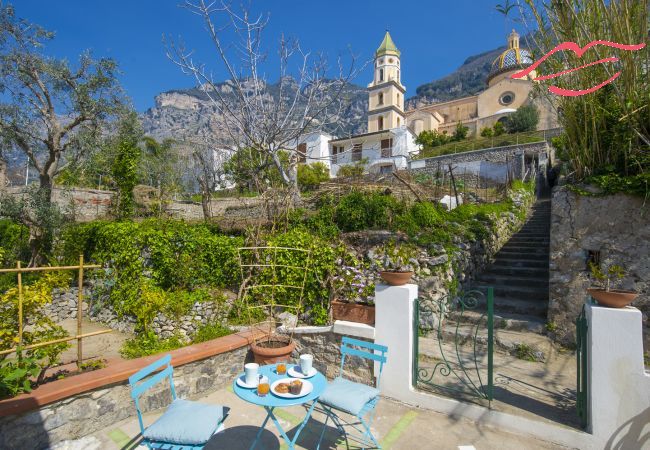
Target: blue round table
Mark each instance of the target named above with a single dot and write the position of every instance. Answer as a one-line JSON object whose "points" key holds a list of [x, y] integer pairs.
{"points": [[272, 401]]}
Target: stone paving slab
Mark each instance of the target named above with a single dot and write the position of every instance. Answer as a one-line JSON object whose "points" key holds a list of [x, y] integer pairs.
{"points": [[396, 426]]}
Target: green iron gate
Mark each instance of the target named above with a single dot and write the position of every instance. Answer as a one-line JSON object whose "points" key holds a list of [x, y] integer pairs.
{"points": [[456, 355], [582, 381]]}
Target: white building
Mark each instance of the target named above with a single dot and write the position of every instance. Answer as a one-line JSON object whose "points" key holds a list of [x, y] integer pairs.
{"points": [[388, 144]]}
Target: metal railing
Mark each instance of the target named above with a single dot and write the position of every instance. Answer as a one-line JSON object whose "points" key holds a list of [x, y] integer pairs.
{"points": [[582, 380], [19, 270], [482, 143]]}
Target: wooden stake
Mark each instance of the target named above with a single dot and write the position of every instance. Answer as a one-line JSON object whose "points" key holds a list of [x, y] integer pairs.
{"points": [[20, 304], [453, 183], [80, 297]]}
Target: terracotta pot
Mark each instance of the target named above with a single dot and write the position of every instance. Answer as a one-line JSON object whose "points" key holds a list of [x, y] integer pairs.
{"points": [[396, 278], [275, 349], [613, 298], [353, 312]]}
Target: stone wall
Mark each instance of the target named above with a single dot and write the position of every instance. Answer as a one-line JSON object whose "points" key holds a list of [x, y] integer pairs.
{"points": [[86, 413], [325, 345], [86, 205], [617, 226], [64, 306], [489, 160]]}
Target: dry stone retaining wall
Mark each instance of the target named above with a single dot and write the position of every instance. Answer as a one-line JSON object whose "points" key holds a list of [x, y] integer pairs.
{"points": [[86, 204], [64, 306], [616, 226]]}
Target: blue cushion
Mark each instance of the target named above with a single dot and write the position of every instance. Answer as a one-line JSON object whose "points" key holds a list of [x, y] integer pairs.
{"points": [[186, 422], [347, 395]]}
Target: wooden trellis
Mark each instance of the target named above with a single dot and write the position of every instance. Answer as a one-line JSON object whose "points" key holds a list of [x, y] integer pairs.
{"points": [[80, 335]]}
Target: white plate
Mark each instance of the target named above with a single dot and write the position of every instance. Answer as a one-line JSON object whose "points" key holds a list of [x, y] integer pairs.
{"points": [[294, 371], [241, 382], [307, 387]]}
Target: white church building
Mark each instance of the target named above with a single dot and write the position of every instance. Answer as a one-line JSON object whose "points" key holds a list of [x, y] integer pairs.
{"points": [[388, 144]]}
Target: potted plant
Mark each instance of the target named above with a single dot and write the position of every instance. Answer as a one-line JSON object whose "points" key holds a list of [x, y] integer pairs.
{"points": [[273, 272], [352, 295], [397, 265], [605, 295]]}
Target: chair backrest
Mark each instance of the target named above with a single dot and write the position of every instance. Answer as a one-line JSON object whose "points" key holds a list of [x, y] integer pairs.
{"points": [[363, 349], [140, 383]]}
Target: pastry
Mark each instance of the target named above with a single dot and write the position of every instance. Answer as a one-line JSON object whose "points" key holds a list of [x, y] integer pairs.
{"points": [[282, 388], [295, 387]]}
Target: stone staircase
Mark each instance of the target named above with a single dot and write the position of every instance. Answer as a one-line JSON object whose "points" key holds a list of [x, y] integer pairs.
{"points": [[519, 275]]}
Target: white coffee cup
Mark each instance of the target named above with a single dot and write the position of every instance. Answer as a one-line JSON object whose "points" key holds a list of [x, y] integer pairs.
{"points": [[250, 373], [306, 362]]}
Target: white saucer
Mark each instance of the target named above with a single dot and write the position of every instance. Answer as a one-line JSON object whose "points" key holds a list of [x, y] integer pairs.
{"points": [[294, 371], [307, 387], [241, 382]]}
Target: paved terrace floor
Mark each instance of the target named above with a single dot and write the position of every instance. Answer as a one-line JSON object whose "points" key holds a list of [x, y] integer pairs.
{"points": [[396, 426]]}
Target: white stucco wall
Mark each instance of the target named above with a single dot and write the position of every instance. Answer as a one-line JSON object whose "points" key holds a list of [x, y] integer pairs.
{"points": [[403, 145]]}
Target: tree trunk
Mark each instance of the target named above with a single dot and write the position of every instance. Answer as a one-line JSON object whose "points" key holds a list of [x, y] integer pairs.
{"points": [[37, 233], [205, 204], [3, 175]]}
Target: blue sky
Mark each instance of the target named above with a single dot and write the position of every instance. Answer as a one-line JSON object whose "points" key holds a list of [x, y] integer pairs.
{"points": [[434, 36]]}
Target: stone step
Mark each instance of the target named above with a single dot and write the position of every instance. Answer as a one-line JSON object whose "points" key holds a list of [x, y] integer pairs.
{"points": [[504, 305], [505, 269], [524, 237], [531, 281], [530, 236], [503, 260], [519, 293], [528, 243], [534, 230], [524, 252], [502, 320], [517, 343]]}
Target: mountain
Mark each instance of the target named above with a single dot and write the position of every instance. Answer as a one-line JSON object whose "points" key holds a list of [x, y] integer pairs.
{"points": [[469, 79], [190, 113]]}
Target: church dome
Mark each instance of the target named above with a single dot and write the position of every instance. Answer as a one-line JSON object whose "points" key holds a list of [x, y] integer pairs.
{"points": [[513, 58]]}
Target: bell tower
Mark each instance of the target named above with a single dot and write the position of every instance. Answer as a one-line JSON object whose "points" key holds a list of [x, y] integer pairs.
{"points": [[386, 92]]}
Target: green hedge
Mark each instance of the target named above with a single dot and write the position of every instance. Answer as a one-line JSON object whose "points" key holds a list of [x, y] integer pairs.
{"points": [[156, 265]]}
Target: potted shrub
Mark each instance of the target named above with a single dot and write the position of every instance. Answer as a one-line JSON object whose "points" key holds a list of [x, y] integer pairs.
{"points": [[272, 272], [352, 295], [604, 294], [397, 264]]}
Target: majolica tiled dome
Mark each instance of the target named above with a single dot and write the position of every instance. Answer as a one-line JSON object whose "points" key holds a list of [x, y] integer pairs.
{"points": [[513, 58]]}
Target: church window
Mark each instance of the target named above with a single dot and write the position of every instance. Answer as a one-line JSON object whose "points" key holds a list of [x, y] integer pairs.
{"points": [[381, 74], [397, 99], [507, 98], [380, 101], [390, 60], [380, 123], [399, 122], [381, 61], [386, 148], [398, 75], [357, 150]]}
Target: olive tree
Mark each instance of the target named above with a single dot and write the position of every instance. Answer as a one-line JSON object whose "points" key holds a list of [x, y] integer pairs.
{"points": [[50, 110]]}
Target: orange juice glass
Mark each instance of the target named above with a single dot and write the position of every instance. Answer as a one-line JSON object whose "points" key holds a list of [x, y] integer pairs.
{"points": [[281, 369], [263, 389]]}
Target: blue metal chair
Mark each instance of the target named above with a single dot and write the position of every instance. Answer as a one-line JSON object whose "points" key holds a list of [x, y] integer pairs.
{"points": [[185, 425], [356, 399]]}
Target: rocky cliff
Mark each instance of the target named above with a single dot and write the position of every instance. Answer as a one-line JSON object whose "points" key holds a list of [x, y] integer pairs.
{"points": [[191, 113]]}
